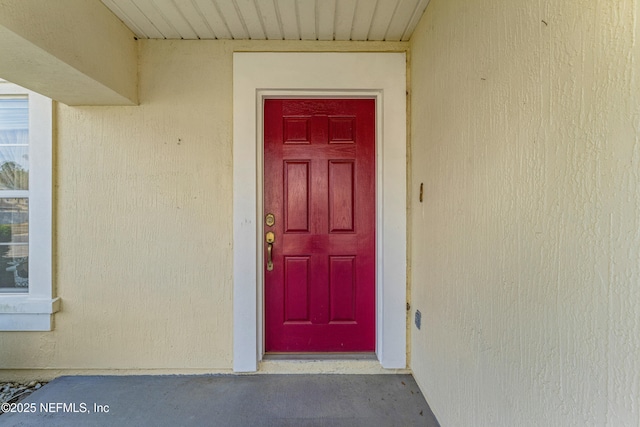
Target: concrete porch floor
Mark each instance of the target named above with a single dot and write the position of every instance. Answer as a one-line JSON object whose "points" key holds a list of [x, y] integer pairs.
{"points": [[226, 400]]}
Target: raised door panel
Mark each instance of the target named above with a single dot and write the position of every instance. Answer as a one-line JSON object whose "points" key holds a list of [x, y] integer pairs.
{"points": [[341, 196], [296, 196]]}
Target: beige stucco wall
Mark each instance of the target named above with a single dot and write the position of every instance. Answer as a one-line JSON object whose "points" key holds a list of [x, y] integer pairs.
{"points": [[526, 250], [143, 221]]}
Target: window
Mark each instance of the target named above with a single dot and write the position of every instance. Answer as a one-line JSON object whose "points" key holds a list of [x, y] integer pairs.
{"points": [[26, 302], [14, 193]]}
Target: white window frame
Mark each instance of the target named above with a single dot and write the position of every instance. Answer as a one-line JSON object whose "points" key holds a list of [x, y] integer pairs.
{"points": [[33, 310]]}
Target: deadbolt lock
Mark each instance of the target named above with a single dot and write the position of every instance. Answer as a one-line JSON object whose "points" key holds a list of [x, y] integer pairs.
{"points": [[270, 219]]}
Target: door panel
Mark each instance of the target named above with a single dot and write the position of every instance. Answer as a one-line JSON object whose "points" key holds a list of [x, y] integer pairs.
{"points": [[320, 185], [296, 196], [296, 282], [341, 195], [342, 288]]}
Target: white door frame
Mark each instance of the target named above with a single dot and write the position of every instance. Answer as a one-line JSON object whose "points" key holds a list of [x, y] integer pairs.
{"points": [[257, 76]]}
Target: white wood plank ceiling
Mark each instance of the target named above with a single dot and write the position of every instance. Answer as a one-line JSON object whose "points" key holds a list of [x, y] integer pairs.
{"points": [[390, 20]]}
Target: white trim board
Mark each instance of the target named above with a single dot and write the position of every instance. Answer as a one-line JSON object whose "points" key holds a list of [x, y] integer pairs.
{"points": [[33, 310], [257, 76]]}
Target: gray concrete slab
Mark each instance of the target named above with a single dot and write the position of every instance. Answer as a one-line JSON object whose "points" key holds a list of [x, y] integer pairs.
{"points": [[226, 400]]}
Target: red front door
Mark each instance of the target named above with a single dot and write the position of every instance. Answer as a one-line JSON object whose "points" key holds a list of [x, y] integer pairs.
{"points": [[319, 165]]}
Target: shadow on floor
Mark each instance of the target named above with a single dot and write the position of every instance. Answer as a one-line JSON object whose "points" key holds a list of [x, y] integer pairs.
{"points": [[226, 400]]}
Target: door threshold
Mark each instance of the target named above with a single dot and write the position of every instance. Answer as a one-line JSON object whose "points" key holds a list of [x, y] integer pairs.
{"points": [[320, 356], [323, 363]]}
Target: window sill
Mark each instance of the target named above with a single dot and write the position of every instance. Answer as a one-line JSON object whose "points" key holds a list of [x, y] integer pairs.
{"points": [[21, 313]]}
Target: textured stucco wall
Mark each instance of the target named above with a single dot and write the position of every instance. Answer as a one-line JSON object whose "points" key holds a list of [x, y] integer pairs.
{"points": [[526, 250], [143, 221]]}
